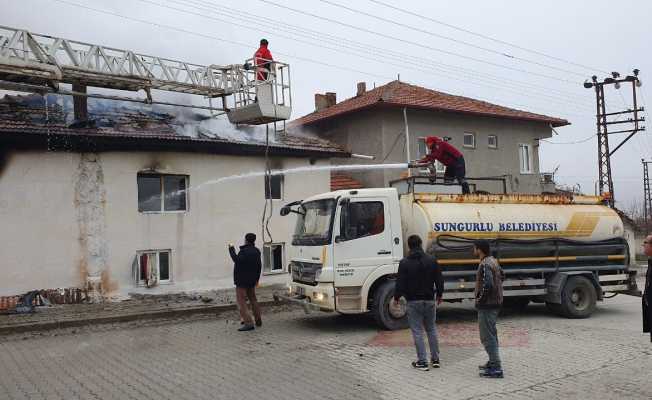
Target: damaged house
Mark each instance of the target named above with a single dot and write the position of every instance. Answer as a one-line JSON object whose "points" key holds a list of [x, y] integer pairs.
{"points": [[135, 201]]}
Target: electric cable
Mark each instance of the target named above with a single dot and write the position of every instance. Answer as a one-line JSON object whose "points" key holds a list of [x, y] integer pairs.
{"points": [[429, 33], [375, 59], [483, 36], [413, 43]]}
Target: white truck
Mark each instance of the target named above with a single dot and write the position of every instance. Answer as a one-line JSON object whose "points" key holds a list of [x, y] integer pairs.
{"points": [[565, 251]]}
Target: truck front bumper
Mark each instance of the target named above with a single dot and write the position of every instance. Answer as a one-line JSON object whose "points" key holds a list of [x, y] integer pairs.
{"points": [[320, 297]]}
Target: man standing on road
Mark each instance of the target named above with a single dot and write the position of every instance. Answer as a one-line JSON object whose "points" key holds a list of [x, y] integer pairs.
{"points": [[418, 274], [488, 299], [647, 291], [246, 274]]}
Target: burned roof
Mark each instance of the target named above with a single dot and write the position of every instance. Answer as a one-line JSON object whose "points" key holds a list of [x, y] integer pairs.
{"points": [[401, 94], [35, 121]]}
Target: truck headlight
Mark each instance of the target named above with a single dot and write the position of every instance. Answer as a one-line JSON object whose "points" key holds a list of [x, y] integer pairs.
{"points": [[319, 297]]}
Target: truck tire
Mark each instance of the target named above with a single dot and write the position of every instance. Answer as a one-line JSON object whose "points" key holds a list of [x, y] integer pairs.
{"points": [[386, 316], [578, 298]]}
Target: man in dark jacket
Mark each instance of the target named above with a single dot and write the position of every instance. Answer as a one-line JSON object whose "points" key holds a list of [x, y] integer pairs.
{"points": [[647, 291], [488, 300], [246, 273], [418, 274]]}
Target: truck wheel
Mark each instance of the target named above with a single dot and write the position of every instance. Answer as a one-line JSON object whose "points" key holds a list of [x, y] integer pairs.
{"points": [[386, 315], [578, 298]]}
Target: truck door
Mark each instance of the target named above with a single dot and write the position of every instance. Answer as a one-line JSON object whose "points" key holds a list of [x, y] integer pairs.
{"points": [[363, 240]]}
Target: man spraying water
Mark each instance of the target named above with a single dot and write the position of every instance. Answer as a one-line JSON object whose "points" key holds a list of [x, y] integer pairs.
{"points": [[447, 154]]}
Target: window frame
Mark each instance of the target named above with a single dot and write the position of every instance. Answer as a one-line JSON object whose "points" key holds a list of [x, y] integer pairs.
{"points": [[269, 178], [469, 146], [139, 253], [495, 145], [530, 166], [345, 220], [284, 268], [162, 194]]}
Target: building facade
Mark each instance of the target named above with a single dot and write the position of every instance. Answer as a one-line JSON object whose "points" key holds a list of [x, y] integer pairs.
{"points": [[142, 211], [496, 141]]}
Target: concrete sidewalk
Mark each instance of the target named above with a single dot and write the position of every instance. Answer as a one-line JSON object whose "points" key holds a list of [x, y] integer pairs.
{"points": [[139, 307]]}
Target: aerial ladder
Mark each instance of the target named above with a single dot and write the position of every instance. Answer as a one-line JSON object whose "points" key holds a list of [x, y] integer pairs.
{"points": [[38, 63]]}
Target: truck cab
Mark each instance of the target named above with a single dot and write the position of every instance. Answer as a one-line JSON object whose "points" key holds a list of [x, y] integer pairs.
{"points": [[343, 242]]}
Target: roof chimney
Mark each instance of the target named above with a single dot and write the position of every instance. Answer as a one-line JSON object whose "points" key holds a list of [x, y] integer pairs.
{"points": [[321, 102], [362, 88], [332, 98]]}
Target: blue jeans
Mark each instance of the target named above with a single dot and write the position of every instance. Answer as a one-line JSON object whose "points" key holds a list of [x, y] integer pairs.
{"points": [[422, 314], [488, 335]]}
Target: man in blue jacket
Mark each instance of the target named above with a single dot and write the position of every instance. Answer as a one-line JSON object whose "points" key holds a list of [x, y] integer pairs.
{"points": [[246, 273]]}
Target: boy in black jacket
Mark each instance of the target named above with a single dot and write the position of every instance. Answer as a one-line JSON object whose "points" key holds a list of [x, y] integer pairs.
{"points": [[246, 273], [418, 274]]}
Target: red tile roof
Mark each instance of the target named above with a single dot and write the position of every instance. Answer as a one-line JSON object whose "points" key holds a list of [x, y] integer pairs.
{"points": [[401, 94], [341, 181]]}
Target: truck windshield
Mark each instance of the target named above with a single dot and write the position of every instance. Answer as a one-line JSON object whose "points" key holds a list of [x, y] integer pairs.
{"points": [[314, 223]]}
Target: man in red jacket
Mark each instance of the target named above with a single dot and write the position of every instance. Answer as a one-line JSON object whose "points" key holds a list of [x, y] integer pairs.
{"points": [[448, 155], [263, 61]]}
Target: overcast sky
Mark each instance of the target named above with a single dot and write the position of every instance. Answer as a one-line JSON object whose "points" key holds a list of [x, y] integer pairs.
{"points": [[326, 53]]}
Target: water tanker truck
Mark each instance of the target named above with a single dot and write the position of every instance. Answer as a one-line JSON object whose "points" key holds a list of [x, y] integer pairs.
{"points": [[566, 252]]}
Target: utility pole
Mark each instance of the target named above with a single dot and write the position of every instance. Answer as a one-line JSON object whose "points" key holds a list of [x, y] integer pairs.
{"points": [[647, 196], [604, 121]]}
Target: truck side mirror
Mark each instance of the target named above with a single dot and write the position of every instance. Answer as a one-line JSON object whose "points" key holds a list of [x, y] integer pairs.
{"points": [[285, 211]]}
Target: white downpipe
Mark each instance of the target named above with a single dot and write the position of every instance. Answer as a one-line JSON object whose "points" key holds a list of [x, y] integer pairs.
{"points": [[407, 139]]}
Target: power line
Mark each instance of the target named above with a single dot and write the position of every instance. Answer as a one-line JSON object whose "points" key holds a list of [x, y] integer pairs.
{"points": [[246, 45], [213, 37], [194, 5], [483, 36], [574, 142], [437, 35], [416, 43], [358, 46]]}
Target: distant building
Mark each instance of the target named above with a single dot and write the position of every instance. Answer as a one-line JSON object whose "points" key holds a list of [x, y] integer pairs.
{"points": [[496, 141], [103, 206]]}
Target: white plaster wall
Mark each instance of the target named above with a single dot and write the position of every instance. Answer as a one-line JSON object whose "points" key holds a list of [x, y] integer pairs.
{"points": [[39, 245], [39, 236]]}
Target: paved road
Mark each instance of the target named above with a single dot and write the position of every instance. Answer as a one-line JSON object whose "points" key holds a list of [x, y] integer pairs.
{"points": [[325, 356]]}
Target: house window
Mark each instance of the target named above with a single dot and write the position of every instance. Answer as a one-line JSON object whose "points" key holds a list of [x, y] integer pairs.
{"points": [[364, 218], [162, 193], [492, 141], [469, 139], [274, 258], [422, 148], [525, 158], [274, 187], [153, 267]]}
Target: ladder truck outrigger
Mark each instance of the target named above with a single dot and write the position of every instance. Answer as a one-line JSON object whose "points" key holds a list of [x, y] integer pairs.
{"points": [[567, 252]]}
